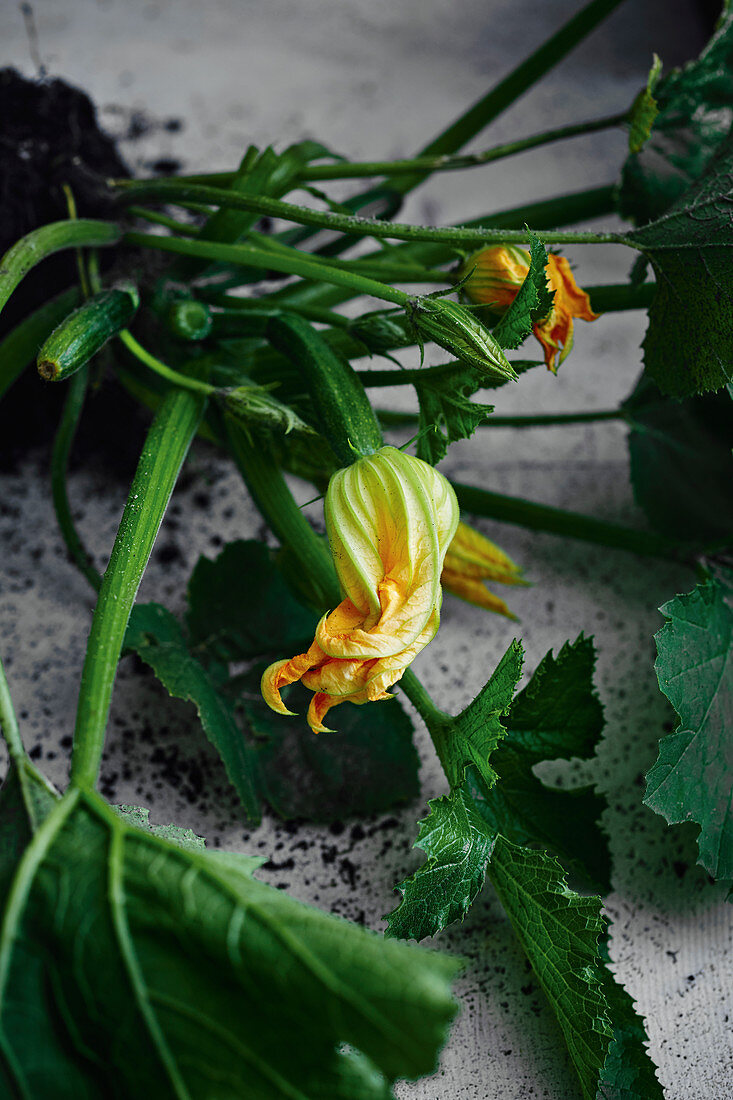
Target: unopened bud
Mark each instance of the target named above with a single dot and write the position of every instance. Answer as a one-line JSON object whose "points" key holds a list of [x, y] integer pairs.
{"points": [[454, 328]]}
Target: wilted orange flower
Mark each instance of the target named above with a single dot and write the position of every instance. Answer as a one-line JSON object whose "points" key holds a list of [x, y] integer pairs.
{"points": [[494, 277], [472, 559], [390, 519]]}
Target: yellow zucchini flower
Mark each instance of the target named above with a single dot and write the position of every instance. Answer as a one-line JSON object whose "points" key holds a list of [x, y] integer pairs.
{"points": [[390, 519], [494, 277], [472, 559]]}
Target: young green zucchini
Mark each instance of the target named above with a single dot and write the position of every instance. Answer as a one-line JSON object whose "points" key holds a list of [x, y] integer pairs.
{"points": [[347, 418], [85, 331]]}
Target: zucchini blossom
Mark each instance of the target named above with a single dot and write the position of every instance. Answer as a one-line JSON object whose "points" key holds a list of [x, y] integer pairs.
{"points": [[390, 519]]}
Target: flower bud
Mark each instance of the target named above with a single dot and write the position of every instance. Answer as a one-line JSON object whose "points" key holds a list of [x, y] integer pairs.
{"points": [[454, 328], [390, 519], [494, 276], [381, 332], [254, 407], [472, 559]]}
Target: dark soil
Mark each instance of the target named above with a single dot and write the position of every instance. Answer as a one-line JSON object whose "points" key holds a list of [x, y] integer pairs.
{"points": [[49, 136]]}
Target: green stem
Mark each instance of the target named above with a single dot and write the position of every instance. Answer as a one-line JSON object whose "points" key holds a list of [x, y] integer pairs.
{"points": [[546, 214], [161, 368], [165, 449], [62, 445], [304, 266], [430, 164], [438, 723], [244, 305], [22, 344], [378, 267], [43, 242], [8, 721], [556, 521], [271, 494], [391, 419], [166, 190], [508, 90], [155, 218], [623, 296]]}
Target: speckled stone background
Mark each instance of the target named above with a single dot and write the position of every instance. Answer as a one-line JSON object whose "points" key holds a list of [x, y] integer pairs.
{"points": [[193, 83]]}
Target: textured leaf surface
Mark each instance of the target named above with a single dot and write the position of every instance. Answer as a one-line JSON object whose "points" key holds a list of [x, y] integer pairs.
{"points": [[688, 347], [26, 799], [559, 932], [681, 461], [130, 966], [139, 816], [628, 1073], [471, 737], [156, 636], [695, 113], [692, 779], [447, 413], [532, 303], [644, 111], [458, 843], [556, 716]]}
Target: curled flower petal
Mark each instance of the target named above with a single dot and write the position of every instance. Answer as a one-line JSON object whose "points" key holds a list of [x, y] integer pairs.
{"points": [[472, 559]]}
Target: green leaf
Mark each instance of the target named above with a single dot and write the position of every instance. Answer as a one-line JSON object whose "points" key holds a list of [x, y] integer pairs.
{"points": [[694, 118], [446, 412], [644, 110], [240, 607], [472, 736], [628, 1072], [688, 347], [156, 636], [557, 716], [559, 932], [693, 776], [147, 969], [458, 844], [26, 799], [139, 816], [532, 303], [681, 463], [368, 767]]}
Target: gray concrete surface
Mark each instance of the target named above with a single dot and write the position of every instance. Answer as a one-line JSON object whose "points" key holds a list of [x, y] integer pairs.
{"points": [[372, 79]]}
